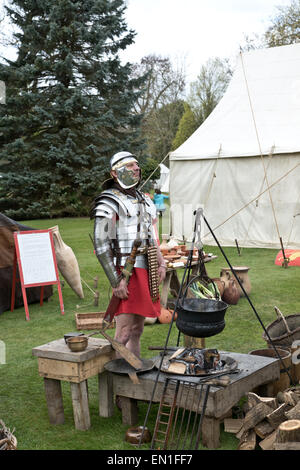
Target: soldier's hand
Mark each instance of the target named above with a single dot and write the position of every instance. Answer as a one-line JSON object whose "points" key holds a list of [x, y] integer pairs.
{"points": [[121, 291]]}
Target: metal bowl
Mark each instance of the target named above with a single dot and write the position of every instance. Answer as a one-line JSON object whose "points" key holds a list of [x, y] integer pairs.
{"points": [[77, 343]]}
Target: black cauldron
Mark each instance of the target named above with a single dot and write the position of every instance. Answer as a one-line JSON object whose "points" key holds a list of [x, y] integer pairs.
{"points": [[201, 318]]}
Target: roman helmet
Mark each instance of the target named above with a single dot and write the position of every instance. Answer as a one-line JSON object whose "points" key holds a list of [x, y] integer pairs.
{"points": [[125, 177]]}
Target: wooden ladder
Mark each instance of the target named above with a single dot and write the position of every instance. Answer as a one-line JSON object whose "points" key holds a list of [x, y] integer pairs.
{"points": [[165, 415]]}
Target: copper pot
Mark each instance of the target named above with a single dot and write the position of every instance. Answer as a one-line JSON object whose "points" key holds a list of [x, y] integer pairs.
{"points": [[133, 435]]}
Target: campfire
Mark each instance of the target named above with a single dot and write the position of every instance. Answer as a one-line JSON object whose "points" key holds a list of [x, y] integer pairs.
{"points": [[196, 362]]}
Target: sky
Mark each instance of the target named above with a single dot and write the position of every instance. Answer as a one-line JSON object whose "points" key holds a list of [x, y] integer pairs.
{"points": [[190, 32]]}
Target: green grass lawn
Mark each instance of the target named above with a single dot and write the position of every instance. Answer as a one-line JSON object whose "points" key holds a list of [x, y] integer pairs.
{"points": [[22, 398]]}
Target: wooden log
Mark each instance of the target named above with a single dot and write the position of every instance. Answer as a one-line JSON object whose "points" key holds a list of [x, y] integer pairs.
{"points": [[263, 429], [268, 442], [289, 397], [232, 425], [277, 416], [289, 431], [248, 440], [294, 413], [286, 446], [253, 417], [253, 399], [177, 368]]}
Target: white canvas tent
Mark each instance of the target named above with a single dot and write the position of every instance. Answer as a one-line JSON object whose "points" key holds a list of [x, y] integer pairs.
{"points": [[243, 163]]}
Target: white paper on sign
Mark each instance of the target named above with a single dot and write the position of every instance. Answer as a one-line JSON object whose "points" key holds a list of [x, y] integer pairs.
{"points": [[36, 258]]}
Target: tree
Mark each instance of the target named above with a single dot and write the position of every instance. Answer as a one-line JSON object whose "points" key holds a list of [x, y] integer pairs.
{"points": [[187, 125], [68, 105], [160, 103], [160, 127], [209, 87], [285, 26]]}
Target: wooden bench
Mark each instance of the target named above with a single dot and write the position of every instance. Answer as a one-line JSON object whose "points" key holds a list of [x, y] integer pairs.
{"points": [[56, 363]]}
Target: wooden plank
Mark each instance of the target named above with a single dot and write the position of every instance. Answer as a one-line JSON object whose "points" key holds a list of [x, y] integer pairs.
{"points": [[80, 406], [59, 350], [106, 404], [54, 401], [232, 425], [59, 370], [73, 371]]}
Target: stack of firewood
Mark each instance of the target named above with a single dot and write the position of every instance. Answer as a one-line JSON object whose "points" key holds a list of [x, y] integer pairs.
{"points": [[7, 440], [270, 423]]}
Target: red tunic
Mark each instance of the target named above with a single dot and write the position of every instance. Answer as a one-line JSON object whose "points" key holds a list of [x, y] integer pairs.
{"points": [[139, 299]]}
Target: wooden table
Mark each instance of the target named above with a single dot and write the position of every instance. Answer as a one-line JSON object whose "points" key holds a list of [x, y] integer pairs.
{"points": [[56, 363], [171, 283], [253, 371]]}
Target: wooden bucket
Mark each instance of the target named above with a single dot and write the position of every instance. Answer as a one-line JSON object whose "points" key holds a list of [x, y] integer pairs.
{"points": [[284, 381]]}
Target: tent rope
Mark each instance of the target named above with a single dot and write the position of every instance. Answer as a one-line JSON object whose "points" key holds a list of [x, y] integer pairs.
{"points": [[260, 150], [255, 198], [261, 188], [213, 176]]}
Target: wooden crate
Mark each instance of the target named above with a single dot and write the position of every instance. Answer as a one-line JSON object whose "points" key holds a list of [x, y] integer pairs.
{"points": [[91, 321]]}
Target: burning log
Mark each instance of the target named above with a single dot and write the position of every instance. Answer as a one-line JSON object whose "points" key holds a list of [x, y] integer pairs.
{"points": [[194, 361]]}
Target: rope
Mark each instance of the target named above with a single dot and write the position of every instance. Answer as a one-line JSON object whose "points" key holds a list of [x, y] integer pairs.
{"points": [[261, 187], [258, 141], [87, 286], [213, 176], [257, 197]]}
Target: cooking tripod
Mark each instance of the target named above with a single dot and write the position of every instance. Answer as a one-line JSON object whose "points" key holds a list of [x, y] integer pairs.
{"points": [[186, 275]]}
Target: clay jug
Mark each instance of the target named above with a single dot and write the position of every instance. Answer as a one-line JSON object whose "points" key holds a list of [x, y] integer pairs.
{"points": [[242, 273], [67, 262], [231, 293]]}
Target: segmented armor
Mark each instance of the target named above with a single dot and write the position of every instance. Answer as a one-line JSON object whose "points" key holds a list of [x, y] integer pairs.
{"points": [[119, 220]]}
